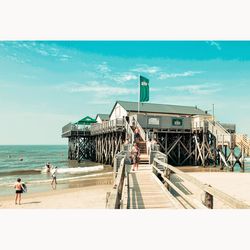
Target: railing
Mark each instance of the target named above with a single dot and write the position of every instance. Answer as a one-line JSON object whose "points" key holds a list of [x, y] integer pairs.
{"points": [[130, 132], [141, 130], [222, 135], [165, 170], [114, 198], [243, 143], [73, 127], [107, 126]]}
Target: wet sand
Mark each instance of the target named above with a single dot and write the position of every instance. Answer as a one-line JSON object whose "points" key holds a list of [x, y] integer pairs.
{"points": [[90, 193]]}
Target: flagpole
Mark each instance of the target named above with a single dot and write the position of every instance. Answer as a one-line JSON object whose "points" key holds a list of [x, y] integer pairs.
{"points": [[139, 95]]}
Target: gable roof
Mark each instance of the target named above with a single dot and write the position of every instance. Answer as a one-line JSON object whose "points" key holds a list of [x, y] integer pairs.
{"points": [[104, 117], [160, 108]]}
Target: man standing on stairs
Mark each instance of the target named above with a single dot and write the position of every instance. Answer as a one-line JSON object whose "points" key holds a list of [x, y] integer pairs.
{"points": [[135, 154], [137, 134]]}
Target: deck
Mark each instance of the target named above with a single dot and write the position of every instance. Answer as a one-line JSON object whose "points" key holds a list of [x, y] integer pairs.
{"points": [[160, 185], [146, 191]]}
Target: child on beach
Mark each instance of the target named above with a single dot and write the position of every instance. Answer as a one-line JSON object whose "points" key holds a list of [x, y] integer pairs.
{"points": [[19, 189]]}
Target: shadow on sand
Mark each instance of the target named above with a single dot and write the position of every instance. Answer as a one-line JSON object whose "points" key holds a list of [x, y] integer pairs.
{"points": [[32, 202]]}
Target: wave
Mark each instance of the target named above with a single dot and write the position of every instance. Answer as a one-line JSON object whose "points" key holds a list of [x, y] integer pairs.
{"points": [[21, 172], [77, 170], [61, 179]]}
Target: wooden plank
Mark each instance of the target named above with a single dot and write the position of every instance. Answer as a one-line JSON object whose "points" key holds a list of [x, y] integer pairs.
{"points": [[231, 201], [192, 202], [145, 192]]}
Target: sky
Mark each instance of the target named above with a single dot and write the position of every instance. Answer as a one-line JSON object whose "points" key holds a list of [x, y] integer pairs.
{"points": [[46, 84]]}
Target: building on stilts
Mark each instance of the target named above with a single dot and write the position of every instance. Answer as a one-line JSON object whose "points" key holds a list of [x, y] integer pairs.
{"points": [[187, 135]]}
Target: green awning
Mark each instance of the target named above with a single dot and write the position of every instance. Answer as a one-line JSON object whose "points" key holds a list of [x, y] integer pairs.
{"points": [[86, 121]]}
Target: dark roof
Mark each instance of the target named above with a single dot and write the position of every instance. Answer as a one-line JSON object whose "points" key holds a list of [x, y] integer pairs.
{"points": [[160, 108], [104, 117]]}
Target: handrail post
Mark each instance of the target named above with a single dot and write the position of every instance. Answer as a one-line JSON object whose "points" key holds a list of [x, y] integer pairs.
{"points": [[115, 168], [209, 200], [167, 174]]}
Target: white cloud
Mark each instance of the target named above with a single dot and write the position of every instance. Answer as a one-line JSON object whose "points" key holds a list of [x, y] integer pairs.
{"points": [[43, 49], [98, 88], [42, 52], [146, 69], [103, 68], [64, 57], [29, 76], [164, 76], [200, 89], [215, 44], [124, 77], [16, 59]]}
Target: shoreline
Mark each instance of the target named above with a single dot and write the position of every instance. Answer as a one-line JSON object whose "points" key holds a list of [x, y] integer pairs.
{"points": [[93, 182], [89, 193]]}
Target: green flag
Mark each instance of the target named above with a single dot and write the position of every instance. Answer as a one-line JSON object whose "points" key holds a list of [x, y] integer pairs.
{"points": [[144, 89]]}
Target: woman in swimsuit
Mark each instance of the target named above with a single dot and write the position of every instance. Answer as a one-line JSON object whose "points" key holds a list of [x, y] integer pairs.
{"points": [[19, 189], [135, 155]]}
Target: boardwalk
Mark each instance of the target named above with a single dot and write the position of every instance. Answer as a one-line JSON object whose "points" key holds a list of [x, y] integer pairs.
{"points": [[143, 189], [146, 191]]}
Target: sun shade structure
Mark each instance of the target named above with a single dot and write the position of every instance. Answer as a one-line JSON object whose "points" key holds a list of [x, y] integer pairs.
{"points": [[86, 121]]}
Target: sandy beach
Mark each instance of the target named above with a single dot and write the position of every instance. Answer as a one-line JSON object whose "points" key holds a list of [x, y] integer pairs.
{"points": [[88, 192], [86, 197]]}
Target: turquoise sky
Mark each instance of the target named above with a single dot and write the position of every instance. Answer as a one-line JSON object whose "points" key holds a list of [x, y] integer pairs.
{"points": [[44, 85]]}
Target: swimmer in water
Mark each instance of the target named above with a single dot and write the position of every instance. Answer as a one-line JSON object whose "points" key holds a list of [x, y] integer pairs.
{"points": [[48, 167]]}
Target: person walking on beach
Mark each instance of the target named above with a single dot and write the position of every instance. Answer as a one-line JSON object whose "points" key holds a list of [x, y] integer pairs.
{"points": [[19, 190], [54, 174], [135, 154]]}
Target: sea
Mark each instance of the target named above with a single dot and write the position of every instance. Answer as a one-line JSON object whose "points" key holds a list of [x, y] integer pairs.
{"points": [[28, 163]]}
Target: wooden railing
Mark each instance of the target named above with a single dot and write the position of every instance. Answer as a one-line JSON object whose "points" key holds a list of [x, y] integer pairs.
{"points": [[135, 123], [108, 126], [142, 132], [129, 131], [114, 199], [223, 137], [165, 170], [71, 127], [243, 143]]}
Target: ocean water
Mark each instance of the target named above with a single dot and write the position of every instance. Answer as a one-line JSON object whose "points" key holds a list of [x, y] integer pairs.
{"points": [[30, 168]]}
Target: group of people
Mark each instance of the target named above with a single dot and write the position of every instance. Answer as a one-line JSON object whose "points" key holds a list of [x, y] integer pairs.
{"points": [[135, 151], [20, 187]]}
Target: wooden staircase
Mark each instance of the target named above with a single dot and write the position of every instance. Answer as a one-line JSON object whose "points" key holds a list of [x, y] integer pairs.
{"points": [[144, 159], [243, 142]]}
